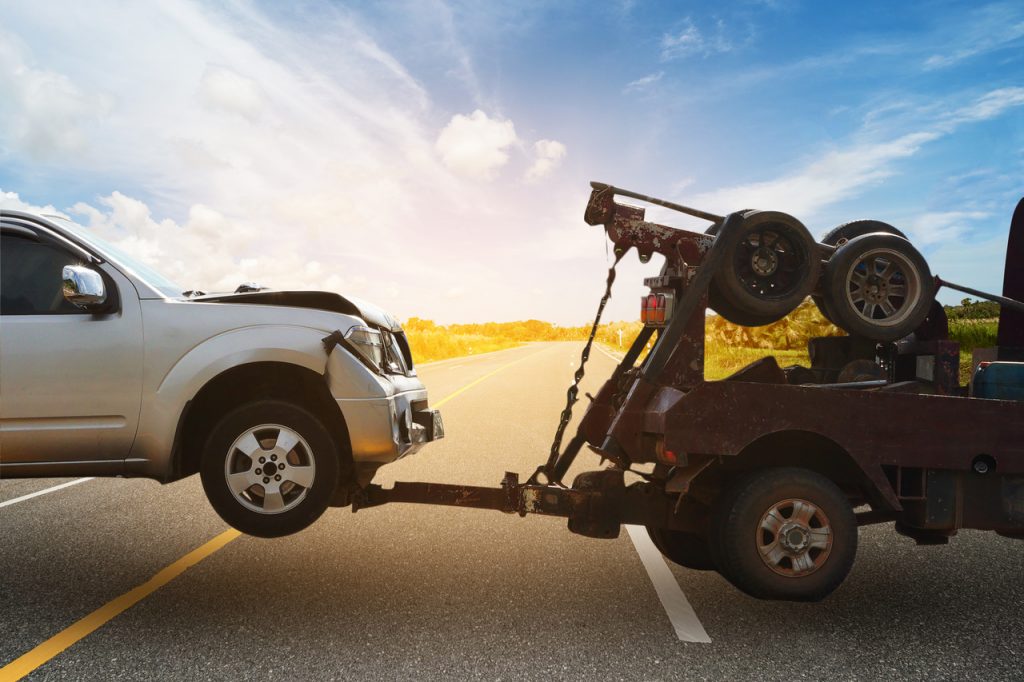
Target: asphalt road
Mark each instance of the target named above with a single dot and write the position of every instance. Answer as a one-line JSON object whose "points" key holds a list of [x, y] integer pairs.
{"points": [[406, 591]]}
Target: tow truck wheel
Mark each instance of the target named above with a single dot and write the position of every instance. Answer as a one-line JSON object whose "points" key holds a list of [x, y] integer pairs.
{"points": [[770, 268], [733, 314], [844, 233], [786, 534], [686, 549], [878, 286], [269, 468]]}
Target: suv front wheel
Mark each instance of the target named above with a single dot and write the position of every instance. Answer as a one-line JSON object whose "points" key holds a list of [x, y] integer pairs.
{"points": [[269, 468]]}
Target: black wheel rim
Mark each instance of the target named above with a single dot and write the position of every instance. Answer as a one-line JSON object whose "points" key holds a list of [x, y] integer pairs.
{"points": [[770, 263]]}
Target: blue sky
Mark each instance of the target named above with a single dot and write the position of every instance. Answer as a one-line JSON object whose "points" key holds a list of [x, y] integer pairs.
{"points": [[434, 156]]}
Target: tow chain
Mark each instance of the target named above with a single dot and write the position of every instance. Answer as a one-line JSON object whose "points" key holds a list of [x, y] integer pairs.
{"points": [[572, 395]]}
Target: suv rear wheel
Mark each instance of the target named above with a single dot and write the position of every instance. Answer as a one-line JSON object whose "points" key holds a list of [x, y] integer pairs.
{"points": [[269, 468]]}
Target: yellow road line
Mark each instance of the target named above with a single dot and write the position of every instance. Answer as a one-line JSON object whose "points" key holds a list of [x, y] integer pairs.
{"points": [[31, 660], [471, 384]]}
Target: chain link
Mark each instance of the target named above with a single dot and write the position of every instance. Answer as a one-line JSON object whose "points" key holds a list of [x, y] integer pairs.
{"points": [[572, 395]]}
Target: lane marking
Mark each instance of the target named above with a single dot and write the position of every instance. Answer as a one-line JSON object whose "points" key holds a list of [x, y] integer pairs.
{"points": [[473, 383], [31, 660], [601, 348], [44, 652], [44, 491], [684, 619]]}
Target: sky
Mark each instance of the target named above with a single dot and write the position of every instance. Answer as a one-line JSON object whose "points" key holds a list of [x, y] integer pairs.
{"points": [[434, 156]]}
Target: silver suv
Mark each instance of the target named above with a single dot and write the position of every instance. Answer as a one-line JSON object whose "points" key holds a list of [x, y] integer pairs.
{"points": [[285, 402]]}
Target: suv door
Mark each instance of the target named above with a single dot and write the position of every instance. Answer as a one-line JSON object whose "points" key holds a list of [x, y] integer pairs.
{"points": [[70, 380]]}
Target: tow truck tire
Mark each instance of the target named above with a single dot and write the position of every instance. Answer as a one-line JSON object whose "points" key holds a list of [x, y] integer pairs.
{"points": [[879, 287], [844, 233], [771, 266], [733, 314], [784, 533], [269, 468], [689, 550]]}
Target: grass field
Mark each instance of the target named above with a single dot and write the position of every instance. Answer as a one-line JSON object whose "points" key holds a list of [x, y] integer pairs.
{"points": [[972, 333], [729, 347]]}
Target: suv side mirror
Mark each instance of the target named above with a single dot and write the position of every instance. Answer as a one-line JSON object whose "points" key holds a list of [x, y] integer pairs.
{"points": [[83, 287]]}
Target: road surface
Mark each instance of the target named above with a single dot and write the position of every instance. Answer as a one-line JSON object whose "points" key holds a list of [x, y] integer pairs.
{"points": [[408, 591]]}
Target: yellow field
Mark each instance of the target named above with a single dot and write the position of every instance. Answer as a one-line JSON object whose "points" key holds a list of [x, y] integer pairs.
{"points": [[729, 347]]}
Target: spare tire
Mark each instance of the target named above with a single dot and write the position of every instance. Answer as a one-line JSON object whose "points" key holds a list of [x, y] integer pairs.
{"points": [[878, 286], [844, 233], [771, 267], [733, 314]]}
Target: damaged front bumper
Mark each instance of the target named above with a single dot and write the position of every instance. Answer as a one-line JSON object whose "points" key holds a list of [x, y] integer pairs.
{"points": [[385, 429], [387, 415]]}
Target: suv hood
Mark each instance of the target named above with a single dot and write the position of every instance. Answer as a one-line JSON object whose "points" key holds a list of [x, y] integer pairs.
{"points": [[317, 300]]}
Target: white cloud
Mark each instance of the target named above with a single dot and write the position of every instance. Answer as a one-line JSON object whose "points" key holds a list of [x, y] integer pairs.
{"points": [[986, 107], [837, 175], [843, 173], [208, 251], [992, 27], [10, 201], [46, 113], [233, 152], [224, 89], [644, 82], [549, 155], [690, 40], [283, 165], [476, 145], [942, 227]]}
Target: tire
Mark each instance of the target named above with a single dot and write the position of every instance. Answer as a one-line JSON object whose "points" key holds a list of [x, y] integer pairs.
{"points": [[727, 310], [734, 314], [755, 553], [771, 267], [845, 233], [879, 287], [300, 465], [856, 228], [689, 550]]}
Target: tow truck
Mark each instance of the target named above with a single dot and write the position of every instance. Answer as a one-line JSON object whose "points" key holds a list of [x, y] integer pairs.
{"points": [[766, 475]]}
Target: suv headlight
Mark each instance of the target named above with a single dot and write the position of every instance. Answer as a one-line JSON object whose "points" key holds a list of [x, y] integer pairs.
{"points": [[368, 343]]}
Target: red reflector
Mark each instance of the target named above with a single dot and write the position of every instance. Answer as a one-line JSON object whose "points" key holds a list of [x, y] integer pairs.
{"points": [[670, 456], [652, 301], [983, 365]]}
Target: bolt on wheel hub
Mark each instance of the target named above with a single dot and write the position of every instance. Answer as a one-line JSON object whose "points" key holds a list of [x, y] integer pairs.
{"points": [[764, 262], [882, 287], [794, 538], [269, 469]]}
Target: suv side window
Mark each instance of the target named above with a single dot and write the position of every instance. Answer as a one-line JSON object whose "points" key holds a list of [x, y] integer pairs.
{"points": [[31, 277]]}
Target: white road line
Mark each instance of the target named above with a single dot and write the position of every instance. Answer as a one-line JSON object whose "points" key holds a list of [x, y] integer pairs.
{"points": [[37, 493], [617, 360], [684, 619]]}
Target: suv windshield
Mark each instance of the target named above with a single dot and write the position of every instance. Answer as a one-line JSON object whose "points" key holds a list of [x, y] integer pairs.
{"points": [[144, 272]]}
